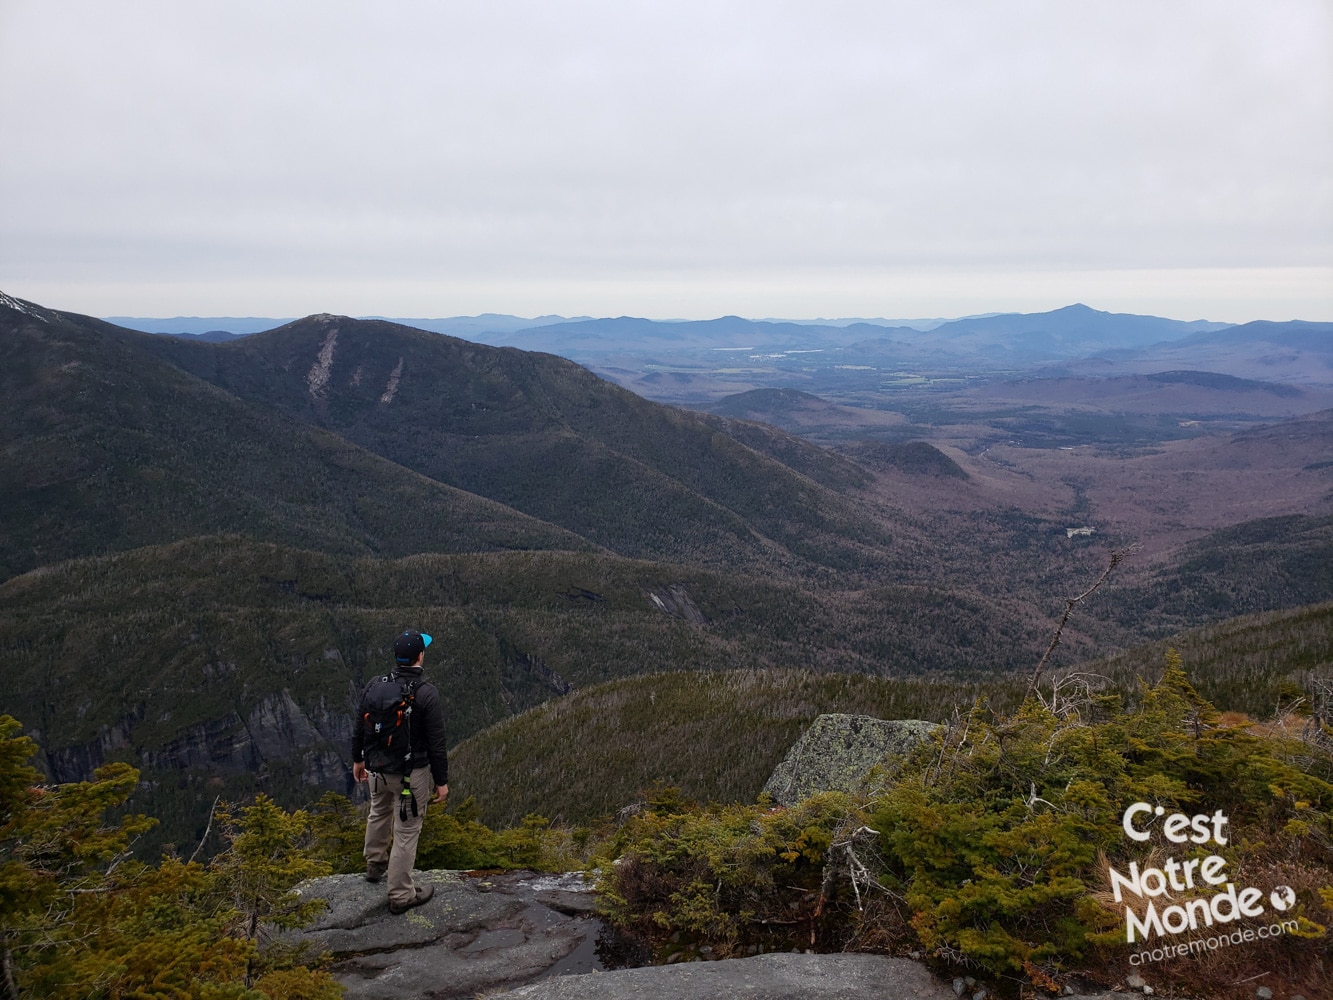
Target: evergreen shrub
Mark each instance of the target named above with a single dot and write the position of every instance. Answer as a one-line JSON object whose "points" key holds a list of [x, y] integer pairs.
{"points": [[990, 846]]}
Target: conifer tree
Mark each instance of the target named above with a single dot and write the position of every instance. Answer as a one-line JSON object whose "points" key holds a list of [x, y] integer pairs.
{"points": [[82, 919], [267, 855]]}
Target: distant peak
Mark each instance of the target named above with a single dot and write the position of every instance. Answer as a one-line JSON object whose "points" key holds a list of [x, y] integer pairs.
{"points": [[19, 305]]}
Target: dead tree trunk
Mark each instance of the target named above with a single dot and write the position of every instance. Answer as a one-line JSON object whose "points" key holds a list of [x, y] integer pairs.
{"points": [[1069, 610]]}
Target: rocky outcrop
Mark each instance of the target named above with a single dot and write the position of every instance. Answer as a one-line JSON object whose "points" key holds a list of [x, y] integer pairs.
{"points": [[764, 977], [279, 728], [838, 751], [544, 675], [675, 600], [219, 746], [77, 763], [276, 731], [281, 732], [477, 933], [538, 937], [769, 977]]}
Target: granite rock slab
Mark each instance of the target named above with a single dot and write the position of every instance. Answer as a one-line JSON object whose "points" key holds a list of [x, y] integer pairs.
{"points": [[478, 933]]}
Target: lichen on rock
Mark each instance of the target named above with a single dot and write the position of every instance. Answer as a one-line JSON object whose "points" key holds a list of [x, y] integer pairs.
{"points": [[838, 751]]}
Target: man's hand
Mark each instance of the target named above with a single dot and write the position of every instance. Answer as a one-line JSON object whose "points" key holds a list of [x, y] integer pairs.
{"points": [[359, 772], [441, 792]]}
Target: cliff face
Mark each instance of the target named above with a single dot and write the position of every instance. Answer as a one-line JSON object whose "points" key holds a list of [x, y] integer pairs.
{"points": [[77, 763], [314, 743], [320, 744]]}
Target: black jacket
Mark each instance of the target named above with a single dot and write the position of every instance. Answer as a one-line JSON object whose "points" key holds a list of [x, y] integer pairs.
{"points": [[429, 744]]}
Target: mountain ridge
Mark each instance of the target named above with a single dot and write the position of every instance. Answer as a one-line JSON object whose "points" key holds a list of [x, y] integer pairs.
{"points": [[540, 434], [769, 330], [148, 452]]}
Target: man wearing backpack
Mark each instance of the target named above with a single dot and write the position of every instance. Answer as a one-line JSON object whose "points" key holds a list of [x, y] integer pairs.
{"points": [[399, 747]]}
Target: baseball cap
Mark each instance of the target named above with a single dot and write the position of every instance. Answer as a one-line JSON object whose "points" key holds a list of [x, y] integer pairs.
{"points": [[408, 646]]}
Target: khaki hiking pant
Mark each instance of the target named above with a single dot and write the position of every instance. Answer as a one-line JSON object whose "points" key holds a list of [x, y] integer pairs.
{"points": [[391, 838]]}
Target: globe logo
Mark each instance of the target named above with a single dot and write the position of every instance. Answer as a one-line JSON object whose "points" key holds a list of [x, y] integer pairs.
{"points": [[1283, 897]]}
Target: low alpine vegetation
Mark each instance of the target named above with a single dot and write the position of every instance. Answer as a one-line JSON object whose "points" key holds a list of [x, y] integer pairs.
{"points": [[990, 847]]}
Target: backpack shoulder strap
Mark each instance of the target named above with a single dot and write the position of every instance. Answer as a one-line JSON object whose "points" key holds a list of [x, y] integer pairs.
{"points": [[408, 687]]}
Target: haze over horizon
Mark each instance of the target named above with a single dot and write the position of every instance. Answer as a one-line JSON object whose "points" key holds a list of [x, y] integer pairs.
{"points": [[509, 321], [691, 161]]}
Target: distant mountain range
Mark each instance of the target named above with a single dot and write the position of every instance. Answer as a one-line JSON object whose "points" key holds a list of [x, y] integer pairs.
{"points": [[1069, 332], [616, 346], [486, 328], [1071, 328]]}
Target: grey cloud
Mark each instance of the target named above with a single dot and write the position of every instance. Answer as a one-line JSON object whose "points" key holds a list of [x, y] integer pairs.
{"points": [[623, 142]]}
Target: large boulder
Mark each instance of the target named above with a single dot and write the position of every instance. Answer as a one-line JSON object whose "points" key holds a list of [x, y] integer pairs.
{"points": [[838, 751]]}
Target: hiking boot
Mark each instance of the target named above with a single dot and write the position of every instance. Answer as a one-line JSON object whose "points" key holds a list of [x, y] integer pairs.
{"points": [[375, 870], [423, 893]]}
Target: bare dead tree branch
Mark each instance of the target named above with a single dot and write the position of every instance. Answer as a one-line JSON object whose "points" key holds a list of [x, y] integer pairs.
{"points": [[207, 830], [1070, 604]]}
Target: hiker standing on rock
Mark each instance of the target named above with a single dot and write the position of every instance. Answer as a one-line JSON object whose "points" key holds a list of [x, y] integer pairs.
{"points": [[400, 748]]}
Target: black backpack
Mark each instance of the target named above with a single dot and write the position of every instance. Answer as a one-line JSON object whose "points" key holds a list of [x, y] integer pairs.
{"points": [[386, 725]]}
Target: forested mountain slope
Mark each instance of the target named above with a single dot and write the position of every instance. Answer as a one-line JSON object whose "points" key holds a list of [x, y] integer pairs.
{"points": [[551, 439], [228, 664], [105, 447], [162, 638], [718, 736]]}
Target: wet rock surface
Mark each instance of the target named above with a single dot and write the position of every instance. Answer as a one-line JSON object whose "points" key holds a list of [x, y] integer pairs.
{"points": [[837, 752]]}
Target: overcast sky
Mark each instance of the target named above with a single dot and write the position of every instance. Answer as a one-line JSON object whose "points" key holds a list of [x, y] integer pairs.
{"points": [[668, 159]]}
